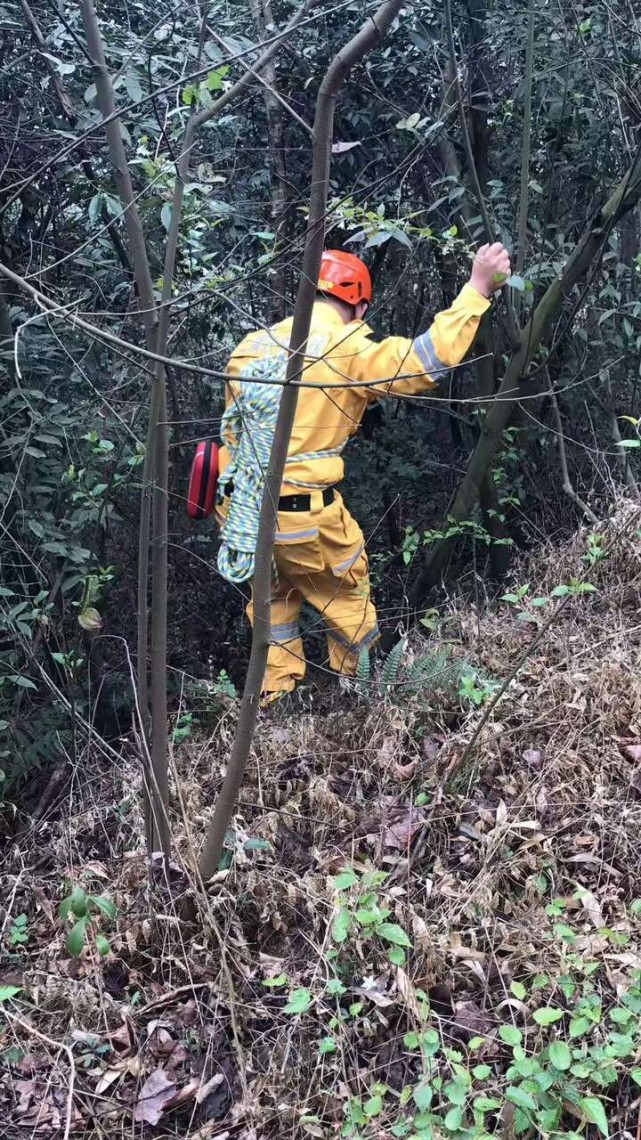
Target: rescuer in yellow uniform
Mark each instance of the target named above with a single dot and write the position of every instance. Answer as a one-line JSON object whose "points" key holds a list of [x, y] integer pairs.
{"points": [[319, 553]]}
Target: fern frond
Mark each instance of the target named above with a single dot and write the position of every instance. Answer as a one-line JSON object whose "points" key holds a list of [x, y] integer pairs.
{"points": [[429, 668], [393, 663], [363, 666]]}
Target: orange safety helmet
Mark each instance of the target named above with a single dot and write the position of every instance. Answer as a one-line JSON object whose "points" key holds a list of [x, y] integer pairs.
{"points": [[345, 276]]}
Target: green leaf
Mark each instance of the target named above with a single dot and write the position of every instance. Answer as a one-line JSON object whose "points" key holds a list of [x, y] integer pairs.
{"points": [[595, 1113], [102, 945], [510, 1034], [397, 956], [481, 1072], [299, 1001], [519, 991], [347, 878], [256, 845], [411, 1040], [8, 992], [560, 1055], [78, 902], [76, 937], [215, 79], [485, 1104], [367, 916], [274, 983], [422, 1096], [520, 1098], [629, 443], [341, 925], [165, 215], [516, 282], [560, 591], [579, 1026], [635, 1076], [104, 905], [455, 1093], [391, 932], [547, 1016], [548, 1118], [22, 682], [327, 1045], [453, 1119], [620, 1016], [335, 988], [64, 908], [373, 1106]]}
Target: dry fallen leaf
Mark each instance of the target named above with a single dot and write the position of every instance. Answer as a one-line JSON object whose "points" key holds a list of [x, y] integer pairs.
{"points": [[123, 1038], [430, 747], [405, 771], [633, 752], [542, 800], [401, 832], [155, 1095], [533, 758], [592, 909], [107, 1079], [25, 1090]]}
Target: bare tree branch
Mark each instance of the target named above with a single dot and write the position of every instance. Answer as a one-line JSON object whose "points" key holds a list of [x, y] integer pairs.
{"points": [[560, 440]]}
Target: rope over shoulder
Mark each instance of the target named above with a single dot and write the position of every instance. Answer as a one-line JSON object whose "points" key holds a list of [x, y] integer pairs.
{"points": [[247, 428]]}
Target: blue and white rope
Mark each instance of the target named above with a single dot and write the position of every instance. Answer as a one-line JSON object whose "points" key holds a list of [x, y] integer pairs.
{"points": [[248, 427]]}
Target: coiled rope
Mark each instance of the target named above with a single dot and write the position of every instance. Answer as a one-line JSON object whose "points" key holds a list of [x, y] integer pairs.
{"points": [[248, 427]]}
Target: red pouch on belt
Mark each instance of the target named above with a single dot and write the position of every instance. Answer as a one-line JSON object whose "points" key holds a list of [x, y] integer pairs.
{"points": [[203, 481]]}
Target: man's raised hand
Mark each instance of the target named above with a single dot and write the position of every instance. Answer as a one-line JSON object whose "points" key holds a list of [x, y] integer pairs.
{"points": [[491, 268]]}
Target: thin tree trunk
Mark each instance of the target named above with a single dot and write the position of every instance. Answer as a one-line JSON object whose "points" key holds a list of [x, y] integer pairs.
{"points": [[369, 35], [568, 488], [590, 246], [499, 550], [512, 323], [156, 784], [479, 88], [525, 152], [278, 173], [6, 332]]}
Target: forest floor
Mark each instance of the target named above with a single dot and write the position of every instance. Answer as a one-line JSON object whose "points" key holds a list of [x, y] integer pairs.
{"points": [[429, 921]]}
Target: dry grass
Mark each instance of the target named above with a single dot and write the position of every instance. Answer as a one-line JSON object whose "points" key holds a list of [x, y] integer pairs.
{"points": [[552, 788]]}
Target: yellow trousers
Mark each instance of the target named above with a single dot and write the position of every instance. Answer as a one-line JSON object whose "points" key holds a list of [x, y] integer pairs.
{"points": [[321, 559]]}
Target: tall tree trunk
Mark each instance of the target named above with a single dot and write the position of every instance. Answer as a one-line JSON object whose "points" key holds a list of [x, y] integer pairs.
{"points": [[499, 551], [157, 789], [590, 247]]}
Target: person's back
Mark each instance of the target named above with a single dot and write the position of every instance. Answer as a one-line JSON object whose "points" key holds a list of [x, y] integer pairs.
{"points": [[319, 551]]}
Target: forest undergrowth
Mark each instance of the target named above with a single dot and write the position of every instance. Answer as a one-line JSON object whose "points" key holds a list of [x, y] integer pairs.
{"points": [[425, 925]]}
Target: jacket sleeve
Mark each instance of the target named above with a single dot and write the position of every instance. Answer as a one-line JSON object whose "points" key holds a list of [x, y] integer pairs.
{"points": [[414, 366]]}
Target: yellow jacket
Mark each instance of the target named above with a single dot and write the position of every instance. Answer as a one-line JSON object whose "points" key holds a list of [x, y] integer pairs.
{"points": [[340, 354]]}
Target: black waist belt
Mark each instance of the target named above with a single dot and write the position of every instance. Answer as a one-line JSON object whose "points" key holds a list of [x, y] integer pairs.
{"points": [[295, 502]]}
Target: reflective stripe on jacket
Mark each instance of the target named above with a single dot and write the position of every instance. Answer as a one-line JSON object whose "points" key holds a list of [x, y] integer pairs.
{"points": [[339, 354]]}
